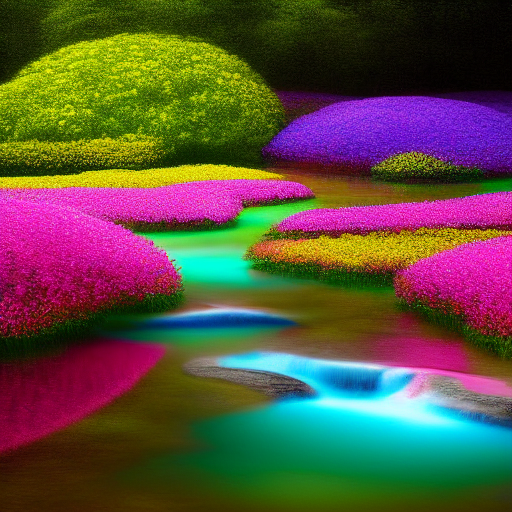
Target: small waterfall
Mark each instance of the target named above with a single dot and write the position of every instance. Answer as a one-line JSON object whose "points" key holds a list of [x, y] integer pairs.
{"points": [[327, 377]]}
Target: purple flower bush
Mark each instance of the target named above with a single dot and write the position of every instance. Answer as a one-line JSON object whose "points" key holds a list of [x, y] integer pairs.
{"points": [[472, 281], [58, 265], [181, 205], [498, 100], [484, 211], [356, 135], [297, 103]]}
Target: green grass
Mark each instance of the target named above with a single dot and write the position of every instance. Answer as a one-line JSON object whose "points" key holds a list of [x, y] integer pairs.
{"points": [[62, 334]]}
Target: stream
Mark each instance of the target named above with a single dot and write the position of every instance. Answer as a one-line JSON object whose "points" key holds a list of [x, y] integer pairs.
{"points": [[177, 442]]}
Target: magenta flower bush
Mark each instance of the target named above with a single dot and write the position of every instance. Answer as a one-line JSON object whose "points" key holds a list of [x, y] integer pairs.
{"points": [[472, 282], [484, 211], [356, 135], [58, 266], [184, 205], [46, 395]]}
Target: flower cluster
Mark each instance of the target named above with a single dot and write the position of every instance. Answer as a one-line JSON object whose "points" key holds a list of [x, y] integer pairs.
{"points": [[472, 281], [145, 178], [420, 167], [203, 103], [59, 265], [375, 253], [34, 158], [359, 134], [484, 211], [189, 204], [63, 389]]}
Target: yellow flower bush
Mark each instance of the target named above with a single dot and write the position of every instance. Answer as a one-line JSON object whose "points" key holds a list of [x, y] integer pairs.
{"points": [[144, 179], [376, 253], [35, 158]]}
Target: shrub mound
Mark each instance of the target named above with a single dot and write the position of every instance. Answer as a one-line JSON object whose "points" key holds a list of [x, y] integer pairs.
{"points": [[59, 268], [356, 135], [145, 179], [415, 166], [202, 204], [360, 257], [34, 158], [204, 104], [471, 286], [483, 211]]}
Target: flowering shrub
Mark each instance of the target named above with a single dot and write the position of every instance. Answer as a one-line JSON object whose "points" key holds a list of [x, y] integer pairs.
{"points": [[203, 103], [184, 205], [484, 211], [375, 253], [146, 178], [355, 135], [59, 266], [420, 167], [471, 282], [498, 100], [63, 389], [34, 158]]}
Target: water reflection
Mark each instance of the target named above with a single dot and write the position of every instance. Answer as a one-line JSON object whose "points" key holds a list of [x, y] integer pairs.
{"points": [[43, 396]]}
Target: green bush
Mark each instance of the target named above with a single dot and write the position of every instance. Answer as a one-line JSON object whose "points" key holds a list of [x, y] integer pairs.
{"points": [[206, 105], [34, 158], [420, 167]]}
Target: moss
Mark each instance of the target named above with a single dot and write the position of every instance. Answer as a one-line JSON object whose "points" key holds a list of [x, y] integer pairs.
{"points": [[205, 105], [418, 167], [499, 345]]}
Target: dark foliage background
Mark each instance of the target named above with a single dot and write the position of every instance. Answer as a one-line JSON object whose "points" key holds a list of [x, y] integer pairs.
{"points": [[368, 47]]}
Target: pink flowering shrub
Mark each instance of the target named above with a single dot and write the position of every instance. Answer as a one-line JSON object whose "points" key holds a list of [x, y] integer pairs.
{"points": [[484, 211], [356, 135], [181, 205], [472, 281], [58, 265], [46, 395]]}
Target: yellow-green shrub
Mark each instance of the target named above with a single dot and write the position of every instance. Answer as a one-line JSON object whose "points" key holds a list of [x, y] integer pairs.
{"points": [[146, 179], [206, 105], [35, 158]]}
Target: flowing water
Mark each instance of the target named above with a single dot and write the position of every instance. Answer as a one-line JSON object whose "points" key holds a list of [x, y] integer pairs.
{"points": [[177, 442]]}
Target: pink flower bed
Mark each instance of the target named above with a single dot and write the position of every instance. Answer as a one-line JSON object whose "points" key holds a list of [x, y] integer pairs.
{"points": [[47, 395], [473, 280], [484, 211], [186, 203], [356, 135], [58, 265]]}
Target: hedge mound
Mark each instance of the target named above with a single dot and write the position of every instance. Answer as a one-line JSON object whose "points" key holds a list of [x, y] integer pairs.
{"points": [[34, 158], [356, 135], [418, 167], [470, 285], [147, 178], [59, 268], [203, 103]]}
